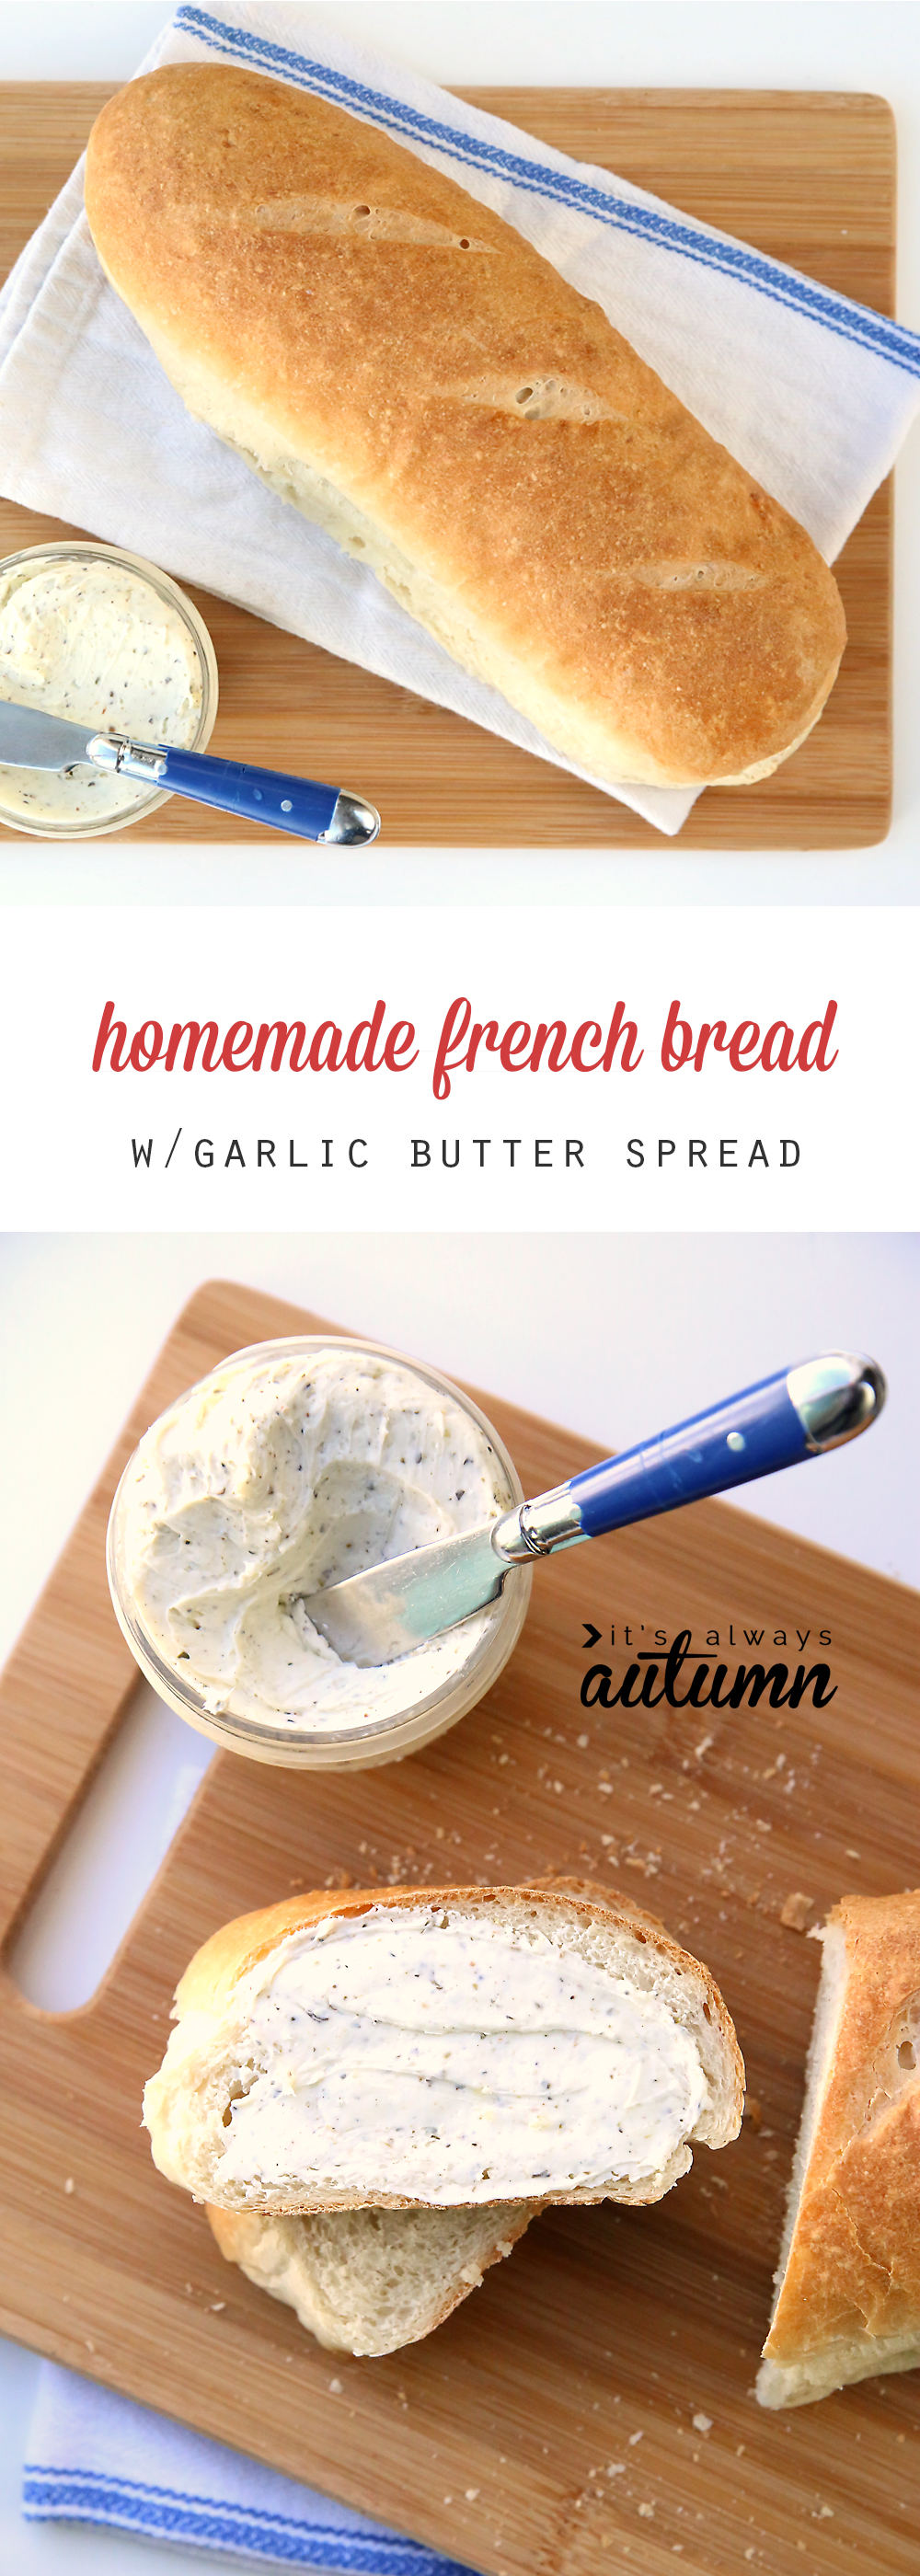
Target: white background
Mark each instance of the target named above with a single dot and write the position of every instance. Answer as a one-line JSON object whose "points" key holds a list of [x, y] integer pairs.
{"points": [[70, 1162], [611, 1336], [767, 44]]}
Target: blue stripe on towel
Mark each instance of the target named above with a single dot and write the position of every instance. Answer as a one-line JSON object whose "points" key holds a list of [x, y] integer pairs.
{"points": [[854, 322], [166, 2513]]}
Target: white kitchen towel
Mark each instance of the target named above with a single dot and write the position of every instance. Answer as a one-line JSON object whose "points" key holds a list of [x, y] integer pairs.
{"points": [[93, 2456], [814, 394]]}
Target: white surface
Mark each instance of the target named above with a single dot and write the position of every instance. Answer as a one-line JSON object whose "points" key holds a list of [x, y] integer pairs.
{"points": [[860, 47], [134, 1807], [645, 1149]]}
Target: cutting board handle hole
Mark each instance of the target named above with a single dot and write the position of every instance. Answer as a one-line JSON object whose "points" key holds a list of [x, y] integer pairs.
{"points": [[120, 1835]]}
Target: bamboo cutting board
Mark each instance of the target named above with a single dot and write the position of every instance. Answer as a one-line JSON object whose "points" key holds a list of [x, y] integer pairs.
{"points": [[493, 2440], [808, 179]]}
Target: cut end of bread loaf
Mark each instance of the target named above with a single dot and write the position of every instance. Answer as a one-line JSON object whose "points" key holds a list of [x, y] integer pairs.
{"points": [[847, 2303], [406, 370], [369, 2281], [837, 2365], [466, 2047]]}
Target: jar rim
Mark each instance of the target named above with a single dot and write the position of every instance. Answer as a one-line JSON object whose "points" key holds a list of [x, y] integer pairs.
{"points": [[164, 584], [379, 1739]]}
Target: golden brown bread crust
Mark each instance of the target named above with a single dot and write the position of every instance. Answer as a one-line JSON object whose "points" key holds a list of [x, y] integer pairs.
{"points": [[854, 2261], [542, 501]]}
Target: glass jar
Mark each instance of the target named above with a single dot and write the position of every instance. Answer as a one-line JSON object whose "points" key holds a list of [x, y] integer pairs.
{"points": [[368, 1741], [134, 800]]}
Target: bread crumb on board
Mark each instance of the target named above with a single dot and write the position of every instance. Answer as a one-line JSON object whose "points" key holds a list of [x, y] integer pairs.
{"points": [[796, 1910]]}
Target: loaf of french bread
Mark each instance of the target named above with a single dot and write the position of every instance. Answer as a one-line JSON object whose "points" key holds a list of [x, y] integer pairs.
{"points": [[847, 2302], [405, 368]]}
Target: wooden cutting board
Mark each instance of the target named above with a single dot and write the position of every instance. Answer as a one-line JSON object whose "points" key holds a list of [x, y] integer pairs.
{"points": [[809, 179], [493, 2440]]}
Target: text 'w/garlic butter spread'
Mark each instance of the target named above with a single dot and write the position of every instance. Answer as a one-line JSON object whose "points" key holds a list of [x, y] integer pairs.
{"points": [[91, 640], [280, 1473], [478, 2060]]}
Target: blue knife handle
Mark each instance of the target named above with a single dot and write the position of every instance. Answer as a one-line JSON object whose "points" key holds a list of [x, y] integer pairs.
{"points": [[750, 1435], [296, 805]]}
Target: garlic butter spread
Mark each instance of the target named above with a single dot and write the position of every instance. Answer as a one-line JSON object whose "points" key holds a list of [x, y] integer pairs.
{"points": [[276, 1476], [453, 2062], [93, 641]]}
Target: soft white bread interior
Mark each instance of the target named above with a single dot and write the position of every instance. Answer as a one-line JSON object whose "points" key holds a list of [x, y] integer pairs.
{"points": [[405, 368], [368, 2281], [847, 2303], [459, 2047]]}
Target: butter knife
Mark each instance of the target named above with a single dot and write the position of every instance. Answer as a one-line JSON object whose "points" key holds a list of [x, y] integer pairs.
{"points": [[31, 740], [782, 1420]]}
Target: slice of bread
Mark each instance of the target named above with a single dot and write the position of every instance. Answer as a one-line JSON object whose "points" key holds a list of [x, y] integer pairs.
{"points": [[847, 2302], [368, 2281], [446, 2048]]}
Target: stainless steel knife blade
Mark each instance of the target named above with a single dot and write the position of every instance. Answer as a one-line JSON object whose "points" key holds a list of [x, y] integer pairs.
{"points": [[31, 740], [373, 1617]]}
